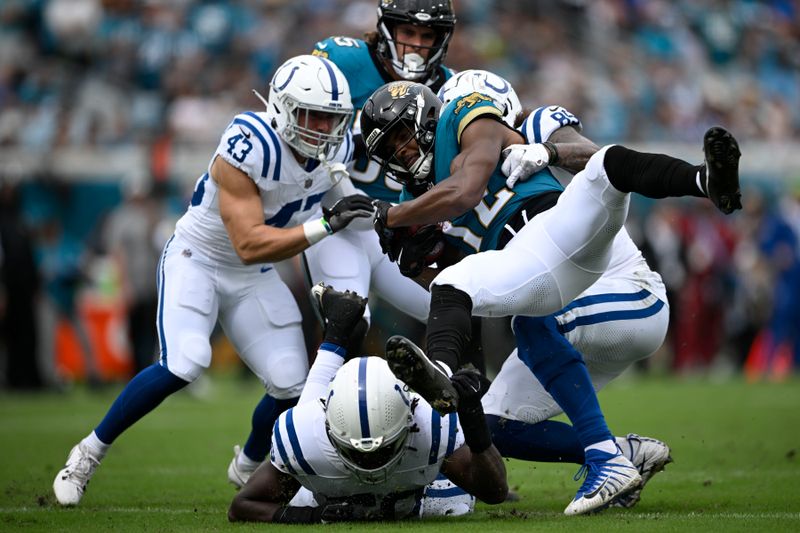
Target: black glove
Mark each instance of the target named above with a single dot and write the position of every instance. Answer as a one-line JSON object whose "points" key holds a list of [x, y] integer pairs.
{"points": [[471, 385], [346, 209], [386, 235], [340, 511], [419, 249]]}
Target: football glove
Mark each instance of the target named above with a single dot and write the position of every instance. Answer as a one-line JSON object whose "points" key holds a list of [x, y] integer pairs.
{"points": [[521, 161], [419, 247], [346, 209], [471, 385], [386, 235]]}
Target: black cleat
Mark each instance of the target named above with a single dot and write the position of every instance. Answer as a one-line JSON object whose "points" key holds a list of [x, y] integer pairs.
{"points": [[340, 311], [722, 169], [410, 364]]}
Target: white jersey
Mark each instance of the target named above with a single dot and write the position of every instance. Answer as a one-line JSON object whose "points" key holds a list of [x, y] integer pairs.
{"points": [[290, 193], [300, 448]]}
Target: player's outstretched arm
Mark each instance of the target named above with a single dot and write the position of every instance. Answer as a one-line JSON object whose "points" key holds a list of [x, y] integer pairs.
{"points": [[263, 497], [243, 216], [574, 150], [476, 467], [255, 242], [481, 143]]}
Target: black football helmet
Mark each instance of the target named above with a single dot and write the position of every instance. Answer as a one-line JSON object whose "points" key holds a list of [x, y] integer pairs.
{"points": [[393, 115], [435, 14]]}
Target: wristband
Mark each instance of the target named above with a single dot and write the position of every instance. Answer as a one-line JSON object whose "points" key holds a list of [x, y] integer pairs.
{"points": [[476, 430], [316, 230], [552, 153]]}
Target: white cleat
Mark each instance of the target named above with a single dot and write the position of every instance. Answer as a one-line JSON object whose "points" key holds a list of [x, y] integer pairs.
{"points": [[649, 456], [236, 473], [608, 476], [71, 481]]}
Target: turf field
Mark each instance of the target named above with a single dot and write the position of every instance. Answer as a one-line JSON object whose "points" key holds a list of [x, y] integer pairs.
{"points": [[735, 447]]}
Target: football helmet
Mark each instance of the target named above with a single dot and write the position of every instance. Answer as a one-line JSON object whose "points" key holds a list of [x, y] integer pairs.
{"points": [[393, 116], [435, 14], [368, 418], [302, 89], [487, 83]]}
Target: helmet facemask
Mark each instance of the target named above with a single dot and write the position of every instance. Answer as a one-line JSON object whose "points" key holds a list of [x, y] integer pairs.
{"points": [[437, 16], [386, 146], [308, 141]]}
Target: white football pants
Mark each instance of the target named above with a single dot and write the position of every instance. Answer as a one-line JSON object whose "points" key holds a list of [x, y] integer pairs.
{"points": [[255, 309]]}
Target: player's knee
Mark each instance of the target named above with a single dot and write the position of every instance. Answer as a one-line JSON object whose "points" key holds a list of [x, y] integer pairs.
{"points": [[194, 356], [287, 378]]}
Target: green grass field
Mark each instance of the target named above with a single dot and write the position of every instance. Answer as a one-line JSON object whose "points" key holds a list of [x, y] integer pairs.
{"points": [[735, 447]]}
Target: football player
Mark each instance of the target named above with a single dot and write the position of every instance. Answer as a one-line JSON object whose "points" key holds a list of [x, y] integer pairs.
{"points": [[543, 267], [410, 43], [259, 202], [360, 446], [620, 319]]}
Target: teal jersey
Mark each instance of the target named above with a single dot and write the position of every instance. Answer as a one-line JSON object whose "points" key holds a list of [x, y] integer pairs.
{"points": [[364, 75], [478, 230]]}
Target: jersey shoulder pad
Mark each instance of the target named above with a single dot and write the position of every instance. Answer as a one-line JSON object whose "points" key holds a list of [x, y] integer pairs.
{"points": [[462, 111], [250, 144], [542, 122], [347, 53], [294, 441]]}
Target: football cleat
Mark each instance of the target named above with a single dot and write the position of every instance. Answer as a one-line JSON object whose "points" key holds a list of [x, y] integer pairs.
{"points": [[339, 310], [649, 456], [237, 474], [608, 476], [722, 169], [410, 364], [71, 481]]}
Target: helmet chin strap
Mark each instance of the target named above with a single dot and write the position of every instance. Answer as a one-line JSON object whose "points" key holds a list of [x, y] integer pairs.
{"points": [[413, 67]]}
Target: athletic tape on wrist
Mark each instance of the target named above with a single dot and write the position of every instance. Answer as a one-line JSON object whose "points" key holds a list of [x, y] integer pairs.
{"points": [[316, 230]]}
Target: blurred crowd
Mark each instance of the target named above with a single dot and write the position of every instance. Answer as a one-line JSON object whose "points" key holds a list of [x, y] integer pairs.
{"points": [[116, 73]]}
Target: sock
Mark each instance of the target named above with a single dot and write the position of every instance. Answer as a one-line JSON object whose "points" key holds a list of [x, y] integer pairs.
{"points": [[548, 441], [607, 446], [264, 416], [560, 369], [245, 463], [653, 175], [95, 445], [449, 325], [140, 396]]}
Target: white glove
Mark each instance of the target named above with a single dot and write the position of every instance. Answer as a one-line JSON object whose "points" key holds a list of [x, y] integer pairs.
{"points": [[522, 161]]}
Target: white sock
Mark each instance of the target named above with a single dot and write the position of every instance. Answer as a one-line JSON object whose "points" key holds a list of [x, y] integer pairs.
{"points": [[245, 463], [96, 446], [608, 446]]}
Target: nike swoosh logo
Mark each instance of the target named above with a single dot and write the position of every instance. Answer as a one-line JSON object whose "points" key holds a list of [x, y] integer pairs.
{"points": [[245, 133], [596, 491], [554, 108], [322, 46], [265, 268]]}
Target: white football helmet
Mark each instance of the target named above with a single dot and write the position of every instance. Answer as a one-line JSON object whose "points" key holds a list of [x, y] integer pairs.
{"points": [[368, 417], [303, 86], [486, 83]]}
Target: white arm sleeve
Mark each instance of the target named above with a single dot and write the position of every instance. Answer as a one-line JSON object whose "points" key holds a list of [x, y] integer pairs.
{"points": [[320, 375]]}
